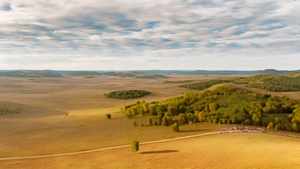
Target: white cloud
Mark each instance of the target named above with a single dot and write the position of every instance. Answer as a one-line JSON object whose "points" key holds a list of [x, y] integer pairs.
{"points": [[216, 34]]}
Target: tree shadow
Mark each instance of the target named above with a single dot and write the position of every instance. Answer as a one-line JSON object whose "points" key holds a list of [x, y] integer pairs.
{"points": [[158, 152]]}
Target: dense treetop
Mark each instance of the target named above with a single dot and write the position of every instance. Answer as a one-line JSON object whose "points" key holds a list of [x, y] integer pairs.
{"points": [[271, 82], [5, 110], [127, 94], [225, 105], [277, 83]]}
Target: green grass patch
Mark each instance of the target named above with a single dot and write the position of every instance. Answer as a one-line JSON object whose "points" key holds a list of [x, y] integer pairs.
{"points": [[127, 94]]}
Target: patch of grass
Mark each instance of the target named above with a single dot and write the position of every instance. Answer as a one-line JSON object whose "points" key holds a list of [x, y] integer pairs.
{"points": [[5, 110], [81, 125], [137, 132]]}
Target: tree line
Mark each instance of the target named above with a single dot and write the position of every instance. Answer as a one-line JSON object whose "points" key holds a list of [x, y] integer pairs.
{"points": [[127, 94], [269, 82], [224, 105]]}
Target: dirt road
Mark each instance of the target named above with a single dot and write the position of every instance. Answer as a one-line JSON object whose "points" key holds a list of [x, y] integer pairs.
{"points": [[103, 149]]}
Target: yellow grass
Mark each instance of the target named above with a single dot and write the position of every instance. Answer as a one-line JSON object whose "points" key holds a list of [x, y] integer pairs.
{"points": [[243, 150], [67, 114]]}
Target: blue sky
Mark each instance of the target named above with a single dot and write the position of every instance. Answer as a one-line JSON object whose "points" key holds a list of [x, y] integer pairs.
{"points": [[150, 34]]}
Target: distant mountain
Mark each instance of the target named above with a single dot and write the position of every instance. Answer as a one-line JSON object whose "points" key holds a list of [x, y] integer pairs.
{"points": [[131, 73], [30, 74], [220, 72]]}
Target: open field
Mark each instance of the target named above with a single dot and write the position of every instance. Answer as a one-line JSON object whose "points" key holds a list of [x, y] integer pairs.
{"points": [[67, 114], [241, 150], [42, 126]]}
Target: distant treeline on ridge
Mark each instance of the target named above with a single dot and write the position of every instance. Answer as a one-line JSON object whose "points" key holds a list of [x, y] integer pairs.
{"points": [[127, 94]]}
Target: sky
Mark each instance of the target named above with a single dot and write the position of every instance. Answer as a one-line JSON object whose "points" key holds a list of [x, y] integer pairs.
{"points": [[150, 34]]}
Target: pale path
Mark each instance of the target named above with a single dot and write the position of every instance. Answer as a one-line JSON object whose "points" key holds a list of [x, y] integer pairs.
{"points": [[103, 149]]}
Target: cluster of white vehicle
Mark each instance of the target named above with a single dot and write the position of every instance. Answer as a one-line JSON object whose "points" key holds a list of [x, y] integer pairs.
{"points": [[243, 129]]}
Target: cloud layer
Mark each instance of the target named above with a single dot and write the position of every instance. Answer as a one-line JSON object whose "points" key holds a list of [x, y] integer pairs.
{"points": [[177, 34]]}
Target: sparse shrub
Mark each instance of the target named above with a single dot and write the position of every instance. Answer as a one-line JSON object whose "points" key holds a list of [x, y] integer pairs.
{"points": [[150, 121], [157, 120], [108, 116], [182, 118], [166, 121], [270, 126], [248, 122], [175, 127], [295, 127], [128, 116], [81, 125], [134, 146], [277, 127], [134, 123], [287, 127]]}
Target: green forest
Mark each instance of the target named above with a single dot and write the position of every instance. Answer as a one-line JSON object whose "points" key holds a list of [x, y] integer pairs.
{"points": [[270, 82], [127, 94], [224, 105], [205, 84], [277, 83], [5, 110]]}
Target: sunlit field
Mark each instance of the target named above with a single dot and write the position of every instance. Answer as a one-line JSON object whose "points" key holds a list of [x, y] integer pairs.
{"points": [[67, 114]]}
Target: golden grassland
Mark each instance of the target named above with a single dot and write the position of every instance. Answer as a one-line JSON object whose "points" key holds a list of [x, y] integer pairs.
{"points": [[67, 114], [241, 150]]}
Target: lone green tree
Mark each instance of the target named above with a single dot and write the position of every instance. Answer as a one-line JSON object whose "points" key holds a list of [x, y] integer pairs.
{"points": [[108, 116], [175, 127], [150, 121], [134, 146]]}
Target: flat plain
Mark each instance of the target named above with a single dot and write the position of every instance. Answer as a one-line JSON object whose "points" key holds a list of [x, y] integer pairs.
{"points": [[67, 114]]}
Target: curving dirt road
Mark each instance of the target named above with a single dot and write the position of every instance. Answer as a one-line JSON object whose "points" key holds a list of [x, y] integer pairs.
{"points": [[103, 149]]}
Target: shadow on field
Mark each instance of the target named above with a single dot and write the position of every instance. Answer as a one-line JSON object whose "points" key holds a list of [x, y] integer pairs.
{"points": [[158, 152]]}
